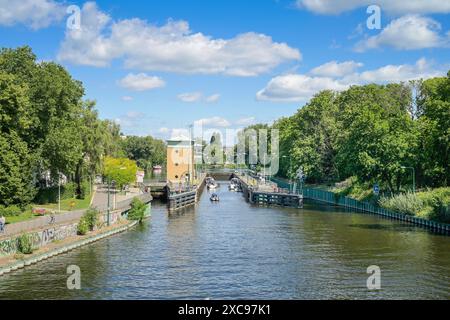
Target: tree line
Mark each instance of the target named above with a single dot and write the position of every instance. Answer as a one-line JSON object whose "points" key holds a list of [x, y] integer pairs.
{"points": [[47, 129], [374, 133]]}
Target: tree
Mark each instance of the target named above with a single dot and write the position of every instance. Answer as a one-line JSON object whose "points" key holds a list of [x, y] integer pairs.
{"points": [[16, 167], [121, 170], [434, 127]]}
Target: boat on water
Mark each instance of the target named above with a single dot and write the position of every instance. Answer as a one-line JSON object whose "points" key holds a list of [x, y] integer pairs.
{"points": [[214, 197], [212, 186], [157, 168]]}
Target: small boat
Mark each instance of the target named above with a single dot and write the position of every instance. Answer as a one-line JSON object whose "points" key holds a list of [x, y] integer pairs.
{"points": [[214, 198], [157, 168], [212, 186]]}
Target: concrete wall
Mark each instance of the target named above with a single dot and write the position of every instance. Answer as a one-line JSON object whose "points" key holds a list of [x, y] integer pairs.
{"points": [[40, 238]]}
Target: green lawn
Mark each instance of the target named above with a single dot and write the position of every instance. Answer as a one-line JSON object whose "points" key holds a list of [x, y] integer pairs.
{"points": [[65, 206]]}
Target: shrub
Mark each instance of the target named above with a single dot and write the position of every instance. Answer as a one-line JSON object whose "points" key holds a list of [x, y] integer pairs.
{"points": [[83, 227], [50, 195], [25, 244], [91, 217], [137, 211], [407, 203], [11, 211]]}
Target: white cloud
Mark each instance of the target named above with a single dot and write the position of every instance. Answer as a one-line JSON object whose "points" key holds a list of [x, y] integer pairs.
{"points": [[213, 122], [296, 87], [127, 98], [33, 13], [246, 121], [190, 97], [164, 130], [422, 69], [130, 120], [172, 47], [335, 69], [391, 6], [409, 32], [300, 88], [213, 98], [141, 82]]}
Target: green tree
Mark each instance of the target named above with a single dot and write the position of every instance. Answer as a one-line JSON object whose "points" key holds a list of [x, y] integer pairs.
{"points": [[121, 170]]}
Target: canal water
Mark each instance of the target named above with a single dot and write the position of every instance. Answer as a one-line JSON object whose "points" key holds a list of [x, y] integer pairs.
{"points": [[233, 250]]}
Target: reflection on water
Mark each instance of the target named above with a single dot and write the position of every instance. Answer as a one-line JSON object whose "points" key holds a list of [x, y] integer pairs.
{"points": [[232, 250]]}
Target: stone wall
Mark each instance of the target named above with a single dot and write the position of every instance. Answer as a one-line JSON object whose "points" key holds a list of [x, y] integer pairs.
{"points": [[40, 238]]}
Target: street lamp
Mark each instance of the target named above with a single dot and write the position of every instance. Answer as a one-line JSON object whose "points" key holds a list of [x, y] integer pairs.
{"points": [[414, 176], [110, 182], [290, 172]]}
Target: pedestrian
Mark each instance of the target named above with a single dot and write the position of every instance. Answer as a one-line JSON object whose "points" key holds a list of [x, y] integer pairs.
{"points": [[2, 224], [52, 217]]}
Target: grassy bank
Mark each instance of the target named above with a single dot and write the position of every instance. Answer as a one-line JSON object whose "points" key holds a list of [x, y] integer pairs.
{"points": [[430, 204], [16, 215]]}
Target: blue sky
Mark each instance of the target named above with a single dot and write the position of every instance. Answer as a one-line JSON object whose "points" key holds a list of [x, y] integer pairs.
{"points": [[155, 66]]}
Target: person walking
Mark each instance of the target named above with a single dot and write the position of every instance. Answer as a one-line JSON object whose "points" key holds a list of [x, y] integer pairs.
{"points": [[2, 224], [52, 217]]}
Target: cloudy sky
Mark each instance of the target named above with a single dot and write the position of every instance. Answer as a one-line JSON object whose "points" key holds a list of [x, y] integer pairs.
{"points": [[161, 65]]}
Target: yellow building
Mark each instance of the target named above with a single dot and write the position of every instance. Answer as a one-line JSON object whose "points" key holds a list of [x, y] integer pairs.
{"points": [[180, 160]]}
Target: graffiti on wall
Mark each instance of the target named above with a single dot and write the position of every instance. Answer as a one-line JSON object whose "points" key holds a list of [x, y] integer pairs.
{"points": [[40, 238]]}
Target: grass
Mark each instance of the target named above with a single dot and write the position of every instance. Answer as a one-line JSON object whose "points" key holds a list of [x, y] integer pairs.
{"points": [[66, 205], [79, 204]]}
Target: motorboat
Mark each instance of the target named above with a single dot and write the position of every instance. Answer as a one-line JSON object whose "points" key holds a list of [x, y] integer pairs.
{"points": [[214, 197], [212, 186]]}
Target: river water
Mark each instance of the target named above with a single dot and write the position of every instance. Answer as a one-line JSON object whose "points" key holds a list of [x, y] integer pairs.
{"points": [[233, 250]]}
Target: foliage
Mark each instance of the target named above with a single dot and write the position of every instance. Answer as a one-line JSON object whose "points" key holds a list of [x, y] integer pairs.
{"points": [[82, 227], [408, 203], [11, 211], [25, 244], [431, 204], [45, 126], [137, 211], [121, 170], [88, 221], [50, 195], [91, 217], [146, 151]]}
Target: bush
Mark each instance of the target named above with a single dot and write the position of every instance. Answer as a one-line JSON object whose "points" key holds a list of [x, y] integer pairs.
{"points": [[137, 211], [88, 221], [25, 244], [50, 195], [437, 203], [11, 211], [91, 217], [84, 190], [407, 203], [83, 227]]}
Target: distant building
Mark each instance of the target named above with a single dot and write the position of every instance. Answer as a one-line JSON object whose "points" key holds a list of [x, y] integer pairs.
{"points": [[180, 160]]}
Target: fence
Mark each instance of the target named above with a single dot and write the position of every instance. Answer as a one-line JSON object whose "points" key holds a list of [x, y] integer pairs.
{"points": [[336, 199]]}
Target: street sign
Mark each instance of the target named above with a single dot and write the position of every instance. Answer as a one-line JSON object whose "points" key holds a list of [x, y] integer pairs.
{"points": [[376, 189]]}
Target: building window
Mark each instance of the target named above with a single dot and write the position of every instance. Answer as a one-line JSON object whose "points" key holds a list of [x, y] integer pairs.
{"points": [[176, 177], [176, 164]]}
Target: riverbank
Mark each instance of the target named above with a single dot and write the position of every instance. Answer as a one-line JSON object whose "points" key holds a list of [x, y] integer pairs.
{"points": [[18, 261]]}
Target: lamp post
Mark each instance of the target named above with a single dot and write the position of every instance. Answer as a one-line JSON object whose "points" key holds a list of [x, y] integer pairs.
{"points": [[59, 192], [290, 172], [413, 176], [110, 182]]}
